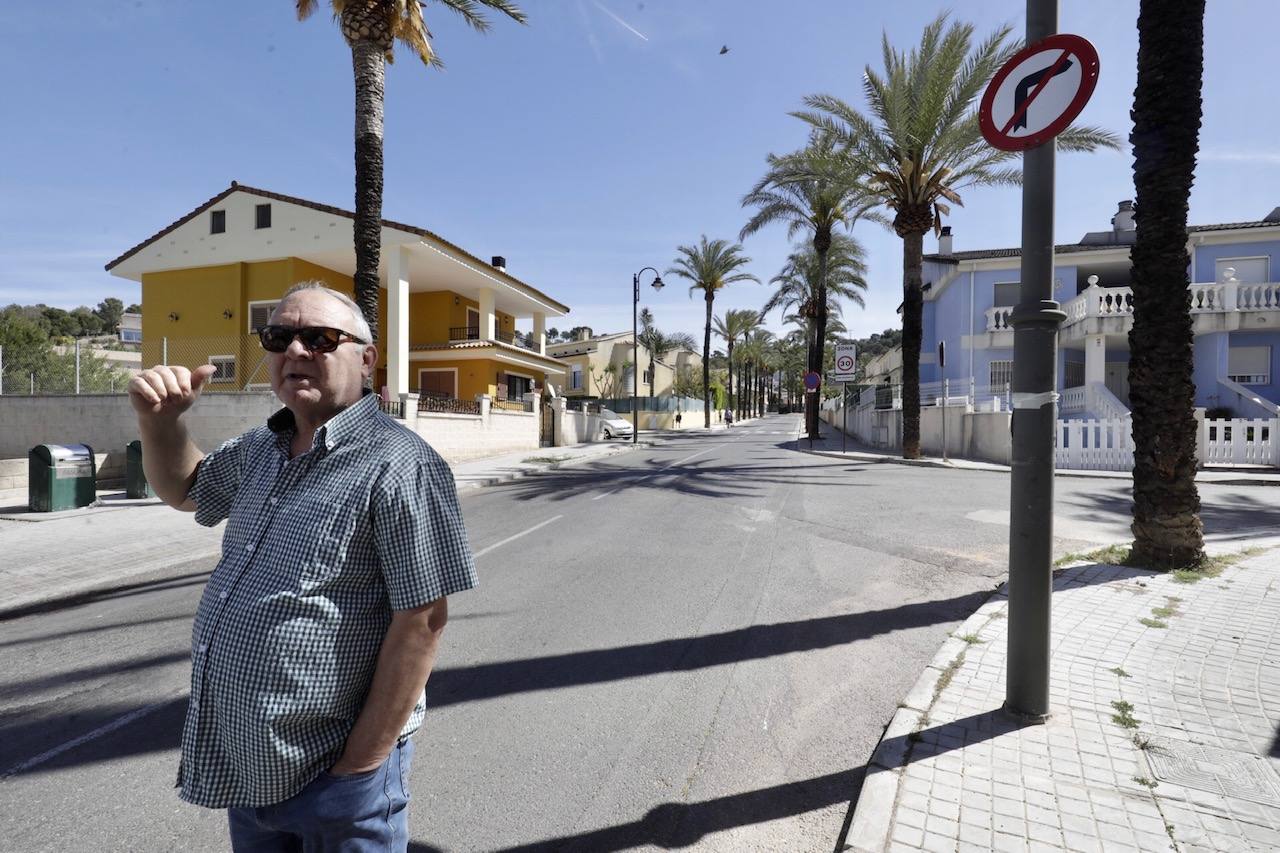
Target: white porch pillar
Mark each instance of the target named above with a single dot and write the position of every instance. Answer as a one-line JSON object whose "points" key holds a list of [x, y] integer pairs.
{"points": [[488, 317], [1095, 359], [396, 263], [540, 332]]}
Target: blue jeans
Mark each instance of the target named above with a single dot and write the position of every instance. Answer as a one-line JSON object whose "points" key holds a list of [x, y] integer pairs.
{"points": [[361, 813]]}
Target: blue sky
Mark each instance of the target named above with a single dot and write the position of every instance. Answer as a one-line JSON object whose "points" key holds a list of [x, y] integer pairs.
{"points": [[583, 146]]}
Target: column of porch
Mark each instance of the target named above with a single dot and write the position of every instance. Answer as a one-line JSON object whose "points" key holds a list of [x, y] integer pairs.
{"points": [[396, 263], [540, 332], [488, 315], [1095, 359]]}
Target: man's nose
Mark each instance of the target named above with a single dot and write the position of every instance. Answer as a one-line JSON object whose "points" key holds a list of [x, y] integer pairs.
{"points": [[296, 350]]}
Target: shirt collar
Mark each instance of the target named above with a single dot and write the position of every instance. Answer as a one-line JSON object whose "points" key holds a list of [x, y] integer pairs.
{"points": [[351, 424]]}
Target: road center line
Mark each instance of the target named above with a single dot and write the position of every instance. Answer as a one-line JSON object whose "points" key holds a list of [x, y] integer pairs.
{"points": [[510, 539], [119, 722]]}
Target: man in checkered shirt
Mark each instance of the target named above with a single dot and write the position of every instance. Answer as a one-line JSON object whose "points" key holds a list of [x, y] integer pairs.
{"points": [[317, 630]]}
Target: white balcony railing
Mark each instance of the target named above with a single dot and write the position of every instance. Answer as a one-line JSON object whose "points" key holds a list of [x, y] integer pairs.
{"points": [[1210, 298]]}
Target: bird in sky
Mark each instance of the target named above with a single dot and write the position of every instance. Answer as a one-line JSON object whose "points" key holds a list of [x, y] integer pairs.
{"points": [[724, 50]]}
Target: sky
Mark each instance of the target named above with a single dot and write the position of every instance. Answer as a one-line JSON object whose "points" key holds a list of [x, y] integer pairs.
{"points": [[582, 147]]}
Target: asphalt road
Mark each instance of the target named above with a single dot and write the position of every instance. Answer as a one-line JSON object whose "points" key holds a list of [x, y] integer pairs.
{"points": [[694, 645]]}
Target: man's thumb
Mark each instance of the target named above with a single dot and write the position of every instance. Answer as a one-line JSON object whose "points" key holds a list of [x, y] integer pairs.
{"points": [[201, 375]]}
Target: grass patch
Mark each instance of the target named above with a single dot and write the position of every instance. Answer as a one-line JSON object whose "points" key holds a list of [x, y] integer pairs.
{"points": [[544, 460], [1119, 670], [1145, 782], [971, 639], [1112, 555], [1153, 623], [947, 675], [1211, 567], [1124, 715], [1170, 608]]}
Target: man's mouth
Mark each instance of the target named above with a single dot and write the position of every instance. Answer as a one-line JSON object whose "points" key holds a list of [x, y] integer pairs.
{"points": [[297, 377]]}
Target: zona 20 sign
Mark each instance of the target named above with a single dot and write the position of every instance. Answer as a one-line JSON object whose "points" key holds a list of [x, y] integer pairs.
{"points": [[1038, 92]]}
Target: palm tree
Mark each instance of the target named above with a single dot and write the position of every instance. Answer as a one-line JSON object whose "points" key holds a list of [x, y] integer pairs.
{"points": [[371, 28], [1166, 128], [753, 350], [711, 266], [732, 326], [919, 148], [811, 191], [659, 344]]}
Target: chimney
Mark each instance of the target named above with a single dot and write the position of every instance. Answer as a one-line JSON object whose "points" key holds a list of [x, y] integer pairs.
{"points": [[584, 334], [944, 241], [1123, 220], [499, 262]]}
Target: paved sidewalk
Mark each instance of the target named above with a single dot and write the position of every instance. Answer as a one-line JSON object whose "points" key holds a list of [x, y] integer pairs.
{"points": [[1161, 738], [51, 556], [830, 445]]}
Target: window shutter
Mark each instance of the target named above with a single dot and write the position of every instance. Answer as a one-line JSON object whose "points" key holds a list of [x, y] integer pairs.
{"points": [[502, 385], [1006, 294], [1248, 270], [1249, 364], [260, 315]]}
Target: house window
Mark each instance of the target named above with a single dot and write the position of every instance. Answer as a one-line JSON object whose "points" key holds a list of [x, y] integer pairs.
{"points": [[1007, 293], [438, 383], [1249, 365], [1073, 374], [217, 221], [575, 378], [260, 315], [262, 216], [226, 365], [130, 336], [1001, 373], [518, 386], [648, 375], [1247, 270]]}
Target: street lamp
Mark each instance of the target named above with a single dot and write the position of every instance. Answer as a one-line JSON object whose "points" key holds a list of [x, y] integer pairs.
{"points": [[635, 348]]}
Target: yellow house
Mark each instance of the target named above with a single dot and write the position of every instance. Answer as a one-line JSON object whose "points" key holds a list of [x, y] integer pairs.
{"points": [[585, 362], [448, 320]]}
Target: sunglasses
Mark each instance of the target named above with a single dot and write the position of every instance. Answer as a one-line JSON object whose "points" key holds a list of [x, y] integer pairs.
{"points": [[314, 338]]}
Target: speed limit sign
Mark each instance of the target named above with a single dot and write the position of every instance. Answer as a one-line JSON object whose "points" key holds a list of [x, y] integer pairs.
{"points": [[846, 363]]}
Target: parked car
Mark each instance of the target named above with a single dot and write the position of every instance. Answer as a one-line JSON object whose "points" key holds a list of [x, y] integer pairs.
{"points": [[614, 425]]}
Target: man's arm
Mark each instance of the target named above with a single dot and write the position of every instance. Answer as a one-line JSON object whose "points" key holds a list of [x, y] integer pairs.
{"points": [[169, 458], [404, 662]]}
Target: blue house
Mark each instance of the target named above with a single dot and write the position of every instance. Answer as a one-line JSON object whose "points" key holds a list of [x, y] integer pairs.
{"points": [[1235, 298]]}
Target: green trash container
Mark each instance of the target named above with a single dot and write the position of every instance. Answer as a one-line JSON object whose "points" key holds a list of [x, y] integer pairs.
{"points": [[135, 479], [61, 476]]}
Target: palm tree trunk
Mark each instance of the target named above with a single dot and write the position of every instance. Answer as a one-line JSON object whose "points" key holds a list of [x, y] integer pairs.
{"points": [[912, 318], [821, 245], [706, 363], [368, 64], [1166, 124], [653, 374], [729, 389]]}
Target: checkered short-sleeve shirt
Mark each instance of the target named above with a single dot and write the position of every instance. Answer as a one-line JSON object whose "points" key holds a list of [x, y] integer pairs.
{"points": [[318, 552]]}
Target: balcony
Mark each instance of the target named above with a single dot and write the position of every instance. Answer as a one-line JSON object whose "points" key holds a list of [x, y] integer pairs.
{"points": [[1095, 303], [462, 334]]}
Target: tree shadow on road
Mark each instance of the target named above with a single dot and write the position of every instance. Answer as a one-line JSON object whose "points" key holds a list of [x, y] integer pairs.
{"points": [[1229, 516], [108, 593]]}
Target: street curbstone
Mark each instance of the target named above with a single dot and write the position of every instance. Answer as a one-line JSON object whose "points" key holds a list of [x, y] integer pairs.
{"points": [[869, 829]]}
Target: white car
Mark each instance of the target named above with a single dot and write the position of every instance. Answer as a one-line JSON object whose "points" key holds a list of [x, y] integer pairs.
{"points": [[614, 425]]}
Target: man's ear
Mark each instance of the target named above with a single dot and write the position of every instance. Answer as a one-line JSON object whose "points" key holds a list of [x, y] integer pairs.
{"points": [[369, 359]]}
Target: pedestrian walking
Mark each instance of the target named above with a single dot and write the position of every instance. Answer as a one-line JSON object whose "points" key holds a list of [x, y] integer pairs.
{"points": [[318, 628], [678, 420]]}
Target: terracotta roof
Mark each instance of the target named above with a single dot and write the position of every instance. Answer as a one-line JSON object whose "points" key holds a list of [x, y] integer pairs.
{"points": [[1070, 248], [336, 211]]}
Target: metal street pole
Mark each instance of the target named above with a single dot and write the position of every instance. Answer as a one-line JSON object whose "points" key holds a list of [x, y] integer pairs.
{"points": [[1035, 353], [635, 349]]}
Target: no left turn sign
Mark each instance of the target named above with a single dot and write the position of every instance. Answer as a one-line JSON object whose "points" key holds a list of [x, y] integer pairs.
{"points": [[1038, 92]]}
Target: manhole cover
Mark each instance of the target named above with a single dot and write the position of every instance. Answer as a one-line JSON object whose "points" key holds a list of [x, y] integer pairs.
{"points": [[1238, 775]]}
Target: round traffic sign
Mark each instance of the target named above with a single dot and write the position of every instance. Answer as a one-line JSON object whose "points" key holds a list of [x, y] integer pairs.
{"points": [[844, 364], [1038, 92], [812, 381]]}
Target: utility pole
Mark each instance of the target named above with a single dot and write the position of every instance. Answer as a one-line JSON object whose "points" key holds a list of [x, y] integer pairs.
{"points": [[1035, 322]]}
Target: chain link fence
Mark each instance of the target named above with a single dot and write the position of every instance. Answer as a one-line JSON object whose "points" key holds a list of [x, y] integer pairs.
{"points": [[70, 369]]}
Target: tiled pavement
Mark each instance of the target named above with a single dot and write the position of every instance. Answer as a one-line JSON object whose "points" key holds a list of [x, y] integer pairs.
{"points": [[1193, 766]]}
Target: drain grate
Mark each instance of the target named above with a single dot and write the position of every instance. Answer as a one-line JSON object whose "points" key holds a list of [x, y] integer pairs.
{"points": [[1236, 775]]}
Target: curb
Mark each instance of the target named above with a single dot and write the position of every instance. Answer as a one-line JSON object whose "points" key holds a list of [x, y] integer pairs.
{"points": [[873, 813]]}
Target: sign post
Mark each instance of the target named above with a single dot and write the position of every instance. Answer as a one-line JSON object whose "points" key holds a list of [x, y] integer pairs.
{"points": [[942, 363], [846, 371], [1030, 100]]}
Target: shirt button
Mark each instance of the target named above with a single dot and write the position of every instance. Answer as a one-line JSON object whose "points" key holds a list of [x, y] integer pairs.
{"points": [[204, 647], [248, 549], [273, 501], [223, 595]]}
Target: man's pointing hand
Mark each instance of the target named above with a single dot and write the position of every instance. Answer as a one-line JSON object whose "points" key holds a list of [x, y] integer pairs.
{"points": [[167, 391]]}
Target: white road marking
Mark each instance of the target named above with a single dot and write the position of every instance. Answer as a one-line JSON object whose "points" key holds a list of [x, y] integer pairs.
{"points": [[510, 539], [110, 727]]}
